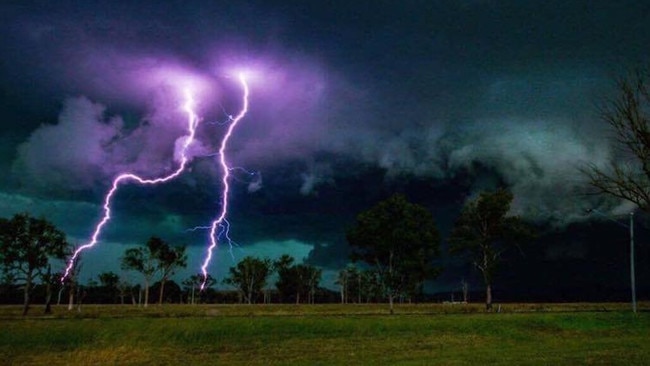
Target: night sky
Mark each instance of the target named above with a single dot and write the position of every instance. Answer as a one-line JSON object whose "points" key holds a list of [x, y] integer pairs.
{"points": [[351, 101]]}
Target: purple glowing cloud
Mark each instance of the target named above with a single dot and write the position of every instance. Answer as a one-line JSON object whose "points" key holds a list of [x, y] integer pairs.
{"points": [[192, 122]]}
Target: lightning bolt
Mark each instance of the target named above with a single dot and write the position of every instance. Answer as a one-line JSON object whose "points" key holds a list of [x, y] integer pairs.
{"points": [[192, 122], [221, 226]]}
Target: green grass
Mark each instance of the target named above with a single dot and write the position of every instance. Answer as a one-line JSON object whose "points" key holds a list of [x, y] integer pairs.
{"points": [[328, 335]]}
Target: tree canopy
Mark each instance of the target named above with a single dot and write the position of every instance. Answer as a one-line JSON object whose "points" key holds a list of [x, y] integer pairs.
{"points": [[400, 240], [168, 258], [484, 230], [156, 256], [141, 260], [27, 245], [249, 276], [296, 282]]}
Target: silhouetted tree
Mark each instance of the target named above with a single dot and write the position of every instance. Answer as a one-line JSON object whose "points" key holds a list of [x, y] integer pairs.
{"points": [[123, 288], [350, 282], [249, 276], [50, 280], [483, 231], [27, 244], [296, 280], [109, 282], [173, 292], [72, 281], [192, 285], [307, 279], [6, 282], [141, 260], [285, 284], [342, 281], [168, 260], [370, 286], [628, 115], [156, 256], [399, 239]]}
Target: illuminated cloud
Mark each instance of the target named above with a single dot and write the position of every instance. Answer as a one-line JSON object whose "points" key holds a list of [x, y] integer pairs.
{"points": [[434, 99]]}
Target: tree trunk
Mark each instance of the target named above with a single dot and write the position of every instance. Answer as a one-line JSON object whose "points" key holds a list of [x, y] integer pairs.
{"points": [[80, 299], [71, 297], [465, 291], [249, 292], [390, 288], [28, 285], [146, 293], [48, 291], [359, 288], [488, 297], [48, 298], [162, 290], [487, 278]]}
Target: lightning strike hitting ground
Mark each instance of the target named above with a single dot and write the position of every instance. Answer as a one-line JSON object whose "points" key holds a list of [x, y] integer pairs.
{"points": [[192, 122], [220, 221]]}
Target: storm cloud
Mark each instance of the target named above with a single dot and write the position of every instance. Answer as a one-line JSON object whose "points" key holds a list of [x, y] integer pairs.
{"points": [[348, 104]]}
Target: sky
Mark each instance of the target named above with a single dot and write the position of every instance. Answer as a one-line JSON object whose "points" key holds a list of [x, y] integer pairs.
{"points": [[350, 102]]}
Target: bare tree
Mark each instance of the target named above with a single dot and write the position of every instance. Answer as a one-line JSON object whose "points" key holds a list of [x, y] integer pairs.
{"points": [[628, 114]]}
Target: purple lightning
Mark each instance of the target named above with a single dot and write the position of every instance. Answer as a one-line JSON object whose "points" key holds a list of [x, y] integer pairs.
{"points": [[192, 121], [220, 221]]}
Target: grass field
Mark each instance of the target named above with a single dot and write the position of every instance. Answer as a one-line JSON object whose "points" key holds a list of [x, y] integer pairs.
{"points": [[327, 335]]}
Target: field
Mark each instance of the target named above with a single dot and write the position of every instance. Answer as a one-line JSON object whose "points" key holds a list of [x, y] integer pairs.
{"points": [[327, 335]]}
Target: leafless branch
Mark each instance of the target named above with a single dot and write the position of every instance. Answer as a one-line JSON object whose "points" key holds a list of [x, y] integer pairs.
{"points": [[627, 115]]}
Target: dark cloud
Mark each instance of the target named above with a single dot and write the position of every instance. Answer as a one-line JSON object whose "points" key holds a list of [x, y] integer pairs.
{"points": [[350, 102]]}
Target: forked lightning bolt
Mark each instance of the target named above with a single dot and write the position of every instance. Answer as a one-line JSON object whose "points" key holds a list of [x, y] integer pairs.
{"points": [[220, 221], [192, 122], [220, 226]]}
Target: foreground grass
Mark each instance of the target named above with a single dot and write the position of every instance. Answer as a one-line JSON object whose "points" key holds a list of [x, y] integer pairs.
{"points": [[326, 335]]}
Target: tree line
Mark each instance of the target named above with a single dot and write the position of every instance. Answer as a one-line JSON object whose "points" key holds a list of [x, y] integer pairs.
{"points": [[29, 247], [395, 244]]}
